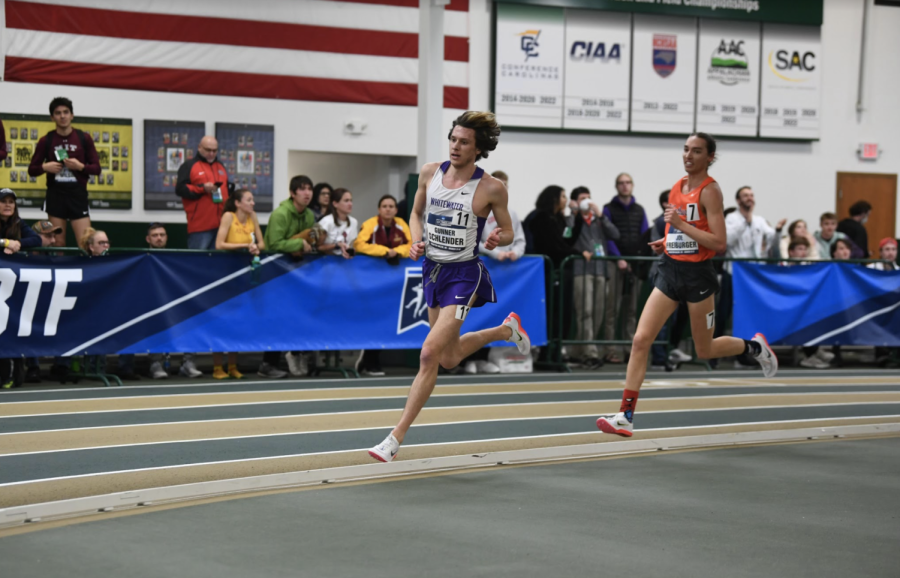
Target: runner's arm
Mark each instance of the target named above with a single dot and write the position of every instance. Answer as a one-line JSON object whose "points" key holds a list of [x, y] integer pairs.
{"points": [[417, 217], [499, 199]]}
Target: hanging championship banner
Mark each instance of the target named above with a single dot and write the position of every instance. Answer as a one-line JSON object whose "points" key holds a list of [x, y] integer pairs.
{"points": [[530, 66], [597, 73], [728, 78], [112, 138], [247, 151], [167, 145], [663, 73], [791, 84]]}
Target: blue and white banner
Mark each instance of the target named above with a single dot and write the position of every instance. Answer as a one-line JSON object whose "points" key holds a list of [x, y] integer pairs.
{"points": [[195, 302], [825, 303]]}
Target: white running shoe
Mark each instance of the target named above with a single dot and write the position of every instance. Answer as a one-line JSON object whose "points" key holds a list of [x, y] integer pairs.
{"points": [[519, 336], [482, 366], [678, 356], [813, 362], [615, 424], [386, 450], [157, 371], [188, 369], [297, 364], [825, 356], [471, 368], [766, 357]]}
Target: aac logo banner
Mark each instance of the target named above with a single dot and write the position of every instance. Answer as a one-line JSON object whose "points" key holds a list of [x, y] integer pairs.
{"points": [[729, 64], [665, 49]]}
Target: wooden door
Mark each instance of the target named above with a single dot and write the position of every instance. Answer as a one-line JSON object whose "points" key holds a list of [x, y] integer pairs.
{"points": [[880, 190]]}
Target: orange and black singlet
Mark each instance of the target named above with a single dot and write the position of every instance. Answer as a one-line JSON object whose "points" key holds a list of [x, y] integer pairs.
{"points": [[678, 245]]}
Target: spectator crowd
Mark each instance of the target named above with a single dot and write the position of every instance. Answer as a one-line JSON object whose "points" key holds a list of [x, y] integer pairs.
{"points": [[602, 287]]}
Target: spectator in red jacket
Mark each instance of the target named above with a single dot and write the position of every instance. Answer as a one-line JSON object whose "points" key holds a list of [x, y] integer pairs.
{"points": [[203, 188], [68, 156]]}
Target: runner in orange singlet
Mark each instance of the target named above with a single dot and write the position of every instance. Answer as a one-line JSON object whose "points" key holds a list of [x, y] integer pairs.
{"points": [[695, 232]]}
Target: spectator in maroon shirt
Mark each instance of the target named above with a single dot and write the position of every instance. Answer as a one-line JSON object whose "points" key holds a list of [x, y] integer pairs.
{"points": [[67, 155]]}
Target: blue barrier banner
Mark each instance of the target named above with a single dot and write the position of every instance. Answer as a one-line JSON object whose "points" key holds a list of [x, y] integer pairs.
{"points": [[825, 303], [196, 302]]}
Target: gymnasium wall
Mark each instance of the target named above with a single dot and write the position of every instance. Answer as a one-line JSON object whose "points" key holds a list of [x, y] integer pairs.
{"points": [[794, 180]]}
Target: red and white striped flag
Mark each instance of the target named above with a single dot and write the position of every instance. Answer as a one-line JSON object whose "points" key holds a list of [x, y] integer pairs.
{"points": [[361, 51]]}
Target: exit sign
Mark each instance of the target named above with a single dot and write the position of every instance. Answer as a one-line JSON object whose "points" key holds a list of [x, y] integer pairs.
{"points": [[868, 151]]}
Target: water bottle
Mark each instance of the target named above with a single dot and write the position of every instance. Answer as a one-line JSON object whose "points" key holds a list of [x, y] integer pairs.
{"points": [[254, 263], [166, 363]]}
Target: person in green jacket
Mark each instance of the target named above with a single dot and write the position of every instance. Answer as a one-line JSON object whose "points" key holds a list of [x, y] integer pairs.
{"points": [[283, 235], [291, 218]]}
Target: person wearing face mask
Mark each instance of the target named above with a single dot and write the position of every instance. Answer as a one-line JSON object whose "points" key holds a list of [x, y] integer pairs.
{"points": [[854, 226]]}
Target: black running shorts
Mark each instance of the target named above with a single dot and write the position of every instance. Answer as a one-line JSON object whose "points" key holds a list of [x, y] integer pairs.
{"points": [[69, 205], [686, 282]]}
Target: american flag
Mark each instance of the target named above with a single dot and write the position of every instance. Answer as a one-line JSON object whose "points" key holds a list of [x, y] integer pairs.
{"points": [[360, 51]]}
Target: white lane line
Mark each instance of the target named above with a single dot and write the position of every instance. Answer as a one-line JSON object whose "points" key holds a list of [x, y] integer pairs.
{"points": [[853, 324], [288, 456], [388, 397], [447, 423], [403, 388]]}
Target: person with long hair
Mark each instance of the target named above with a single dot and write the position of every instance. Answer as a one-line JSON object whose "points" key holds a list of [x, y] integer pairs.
{"points": [[695, 232], [321, 198], [238, 230], [14, 236], [339, 225], [452, 203]]}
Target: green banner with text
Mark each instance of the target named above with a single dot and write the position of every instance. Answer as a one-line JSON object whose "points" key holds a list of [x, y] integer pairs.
{"points": [[806, 12]]}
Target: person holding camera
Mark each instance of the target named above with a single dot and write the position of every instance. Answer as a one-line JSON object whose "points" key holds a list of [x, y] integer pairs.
{"points": [[340, 227], [385, 235], [203, 188], [68, 157], [589, 279]]}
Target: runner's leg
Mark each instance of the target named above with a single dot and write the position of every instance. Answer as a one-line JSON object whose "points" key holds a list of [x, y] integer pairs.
{"points": [[79, 226], [655, 314], [702, 330], [444, 335]]}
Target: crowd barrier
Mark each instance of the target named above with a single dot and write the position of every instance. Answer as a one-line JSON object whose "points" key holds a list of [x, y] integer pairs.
{"points": [[810, 303], [202, 301]]}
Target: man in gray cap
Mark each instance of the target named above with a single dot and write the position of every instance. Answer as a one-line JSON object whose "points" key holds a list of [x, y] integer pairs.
{"points": [[48, 232]]}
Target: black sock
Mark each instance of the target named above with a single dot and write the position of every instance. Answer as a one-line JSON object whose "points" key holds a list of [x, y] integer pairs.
{"points": [[752, 348]]}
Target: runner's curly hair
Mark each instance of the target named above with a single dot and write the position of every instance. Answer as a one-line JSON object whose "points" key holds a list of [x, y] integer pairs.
{"points": [[487, 130]]}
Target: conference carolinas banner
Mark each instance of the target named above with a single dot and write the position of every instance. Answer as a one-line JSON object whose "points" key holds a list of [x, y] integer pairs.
{"points": [[825, 303], [196, 302]]}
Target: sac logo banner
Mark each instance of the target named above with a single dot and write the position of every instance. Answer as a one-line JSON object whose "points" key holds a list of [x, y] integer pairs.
{"points": [[792, 66], [665, 48]]}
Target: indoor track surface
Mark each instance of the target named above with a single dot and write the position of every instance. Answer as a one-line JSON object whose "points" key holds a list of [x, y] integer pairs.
{"points": [[792, 509]]}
